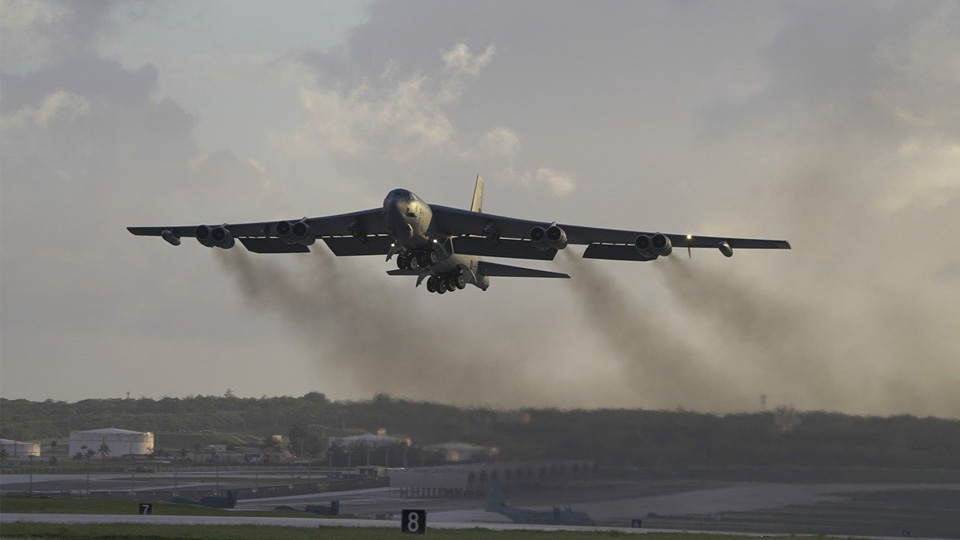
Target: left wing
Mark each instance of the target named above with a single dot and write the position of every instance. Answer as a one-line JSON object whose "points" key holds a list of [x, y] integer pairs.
{"points": [[456, 222]]}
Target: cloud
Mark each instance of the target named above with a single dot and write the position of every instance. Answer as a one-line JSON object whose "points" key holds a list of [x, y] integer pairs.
{"points": [[395, 118], [559, 184], [500, 142], [37, 30], [59, 105]]}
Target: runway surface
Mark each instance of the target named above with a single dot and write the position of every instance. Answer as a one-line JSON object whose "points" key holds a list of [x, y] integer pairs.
{"points": [[319, 522]]}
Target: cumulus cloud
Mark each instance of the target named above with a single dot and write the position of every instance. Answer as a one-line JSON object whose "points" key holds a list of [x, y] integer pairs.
{"points": [[59, 105], [32, 31], [558, 183], [395, 118]]}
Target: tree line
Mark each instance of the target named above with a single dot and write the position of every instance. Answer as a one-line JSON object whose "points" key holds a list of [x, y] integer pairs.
{"points": [[622, 437]]}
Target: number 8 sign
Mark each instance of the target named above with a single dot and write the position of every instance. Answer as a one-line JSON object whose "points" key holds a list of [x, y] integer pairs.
{"points": [[413, 521]]}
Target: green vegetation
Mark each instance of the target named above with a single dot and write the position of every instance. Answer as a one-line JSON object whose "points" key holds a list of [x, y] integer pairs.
{"points": [[616, 437], [26, 505], [260, 532]]}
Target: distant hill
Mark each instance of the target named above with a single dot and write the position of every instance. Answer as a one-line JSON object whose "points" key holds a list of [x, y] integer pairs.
{"points": [[627, 437]]}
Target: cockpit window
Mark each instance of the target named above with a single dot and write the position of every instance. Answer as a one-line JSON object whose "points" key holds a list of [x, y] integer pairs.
{"points": [[400, 194]]}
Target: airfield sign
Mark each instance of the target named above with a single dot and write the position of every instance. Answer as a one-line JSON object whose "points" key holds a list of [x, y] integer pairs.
{"points": [[413, 521]]}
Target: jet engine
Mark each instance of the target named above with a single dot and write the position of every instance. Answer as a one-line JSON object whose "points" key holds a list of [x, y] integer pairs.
{"points": [[295, 233], [218, 236], [556, 237], [661, 244], [642, 243], [538, 236], [653, 246]]}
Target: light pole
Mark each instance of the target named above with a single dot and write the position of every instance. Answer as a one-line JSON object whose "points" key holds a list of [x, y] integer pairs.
{"points": [[31, 475]]}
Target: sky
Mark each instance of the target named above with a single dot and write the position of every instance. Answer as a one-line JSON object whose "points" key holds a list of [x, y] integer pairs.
{"points": [[835, 126]]}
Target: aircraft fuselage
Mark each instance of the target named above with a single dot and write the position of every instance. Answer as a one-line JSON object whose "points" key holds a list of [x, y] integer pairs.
{"points": [[409, 219]]}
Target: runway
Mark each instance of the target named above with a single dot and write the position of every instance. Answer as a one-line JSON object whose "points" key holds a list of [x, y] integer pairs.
{"points": [[365, 523]]}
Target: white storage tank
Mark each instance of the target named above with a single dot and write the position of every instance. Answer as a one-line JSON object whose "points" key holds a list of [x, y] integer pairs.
{"points": [[18, 449], [120, 442]]}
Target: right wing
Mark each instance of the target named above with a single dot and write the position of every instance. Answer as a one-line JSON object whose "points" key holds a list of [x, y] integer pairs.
{"points": [[355, 233]]}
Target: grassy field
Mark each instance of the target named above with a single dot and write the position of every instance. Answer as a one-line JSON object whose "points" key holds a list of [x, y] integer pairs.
{"points": [[258, 532], [26, 505]]}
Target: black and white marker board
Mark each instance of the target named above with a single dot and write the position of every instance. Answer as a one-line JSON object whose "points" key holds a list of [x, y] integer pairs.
{"points": [[413, 521]]}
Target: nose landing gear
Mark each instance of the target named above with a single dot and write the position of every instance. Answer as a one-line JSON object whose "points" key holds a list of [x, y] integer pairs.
{"points": [[415, 260]]}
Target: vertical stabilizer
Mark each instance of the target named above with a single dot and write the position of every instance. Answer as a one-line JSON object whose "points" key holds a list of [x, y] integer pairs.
{"points": [[477, 205]]}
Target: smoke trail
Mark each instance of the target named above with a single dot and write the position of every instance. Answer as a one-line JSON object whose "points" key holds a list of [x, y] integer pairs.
{"points": [[810, 357], [780, 347], [367, 342], [654, 359]]}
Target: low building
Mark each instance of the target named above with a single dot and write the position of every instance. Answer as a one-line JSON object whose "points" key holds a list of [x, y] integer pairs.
{"points": [[110, 442], [459, 452], [367, 440], [17, 449]]}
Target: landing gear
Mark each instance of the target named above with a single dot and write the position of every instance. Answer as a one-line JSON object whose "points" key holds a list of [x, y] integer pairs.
{"points": [[403, 261], [433, 257], [445, 283], [414, 263]]}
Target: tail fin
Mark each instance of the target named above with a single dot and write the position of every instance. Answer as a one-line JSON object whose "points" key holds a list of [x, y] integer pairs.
{"points": [[477, 205], [494, 498]]}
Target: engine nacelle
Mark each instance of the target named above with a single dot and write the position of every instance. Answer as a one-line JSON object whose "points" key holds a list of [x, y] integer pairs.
{"points": [[295, 233], [538, 237], [661, 245], [642, 244], [302, 233], [556, 237], [218, 236]]}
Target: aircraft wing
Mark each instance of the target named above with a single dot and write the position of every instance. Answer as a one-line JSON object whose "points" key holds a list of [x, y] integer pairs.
{"points": [[456, 222], [261, 237]]}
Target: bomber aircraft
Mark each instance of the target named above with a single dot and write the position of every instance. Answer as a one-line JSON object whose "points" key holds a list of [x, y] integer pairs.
{"points": [[443, 245]]}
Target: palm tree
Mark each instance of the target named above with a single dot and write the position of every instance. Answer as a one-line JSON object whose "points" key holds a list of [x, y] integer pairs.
{"points": [[104, 449]]}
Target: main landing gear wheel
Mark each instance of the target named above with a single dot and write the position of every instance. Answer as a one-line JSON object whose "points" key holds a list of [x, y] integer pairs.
{"points": [[440, 287], [461, 280], [414, 263], [433, 257], [451, 284], [403, 261], [432, 284]]}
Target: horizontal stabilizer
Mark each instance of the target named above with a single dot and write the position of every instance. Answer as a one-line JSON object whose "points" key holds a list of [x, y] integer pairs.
{"points": [[514, 249], [399, 272], [615, 253], [503, 270], [272, 245], [347, 246]]}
